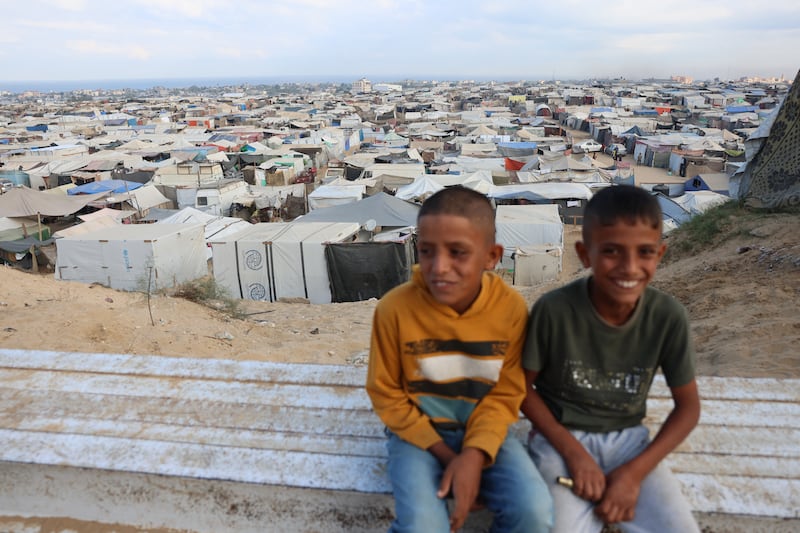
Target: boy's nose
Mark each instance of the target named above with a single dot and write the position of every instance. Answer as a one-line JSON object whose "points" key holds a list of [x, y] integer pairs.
{"points": [[440, 263], [629, 262]]}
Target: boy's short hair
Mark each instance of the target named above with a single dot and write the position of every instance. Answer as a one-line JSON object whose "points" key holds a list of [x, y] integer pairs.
{"points": [[621, 202], [464, 202]]}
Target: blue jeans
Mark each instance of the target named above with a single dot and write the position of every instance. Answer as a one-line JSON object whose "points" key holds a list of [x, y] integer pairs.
{"points": [[511, 488], [661, 507]]}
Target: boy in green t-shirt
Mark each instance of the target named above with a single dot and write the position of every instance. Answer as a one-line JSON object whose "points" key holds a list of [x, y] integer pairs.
{"points": [[592, 349]]}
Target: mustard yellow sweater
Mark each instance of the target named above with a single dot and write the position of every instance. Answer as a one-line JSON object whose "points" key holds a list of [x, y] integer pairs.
{"points": [[430, 366]]}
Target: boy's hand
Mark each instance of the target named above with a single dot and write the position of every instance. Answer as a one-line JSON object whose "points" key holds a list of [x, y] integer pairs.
{"points": [[588, 480], [619, 501], [463, 476]]}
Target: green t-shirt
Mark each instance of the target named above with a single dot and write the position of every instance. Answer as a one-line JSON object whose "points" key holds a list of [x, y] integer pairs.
{"points": [[594, 376]]}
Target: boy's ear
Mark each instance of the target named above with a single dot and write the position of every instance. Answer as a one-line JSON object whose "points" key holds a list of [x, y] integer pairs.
{"points": [[662, 248], [494, 256], [583, 254]]}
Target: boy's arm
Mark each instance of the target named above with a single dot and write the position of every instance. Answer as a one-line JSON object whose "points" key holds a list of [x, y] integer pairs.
{"points": [[619, 502], [386, 390], [588, 479], [499, 408]]}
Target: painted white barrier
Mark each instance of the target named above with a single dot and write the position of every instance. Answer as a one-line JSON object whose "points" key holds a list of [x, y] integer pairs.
{"points": [[300, 426]]}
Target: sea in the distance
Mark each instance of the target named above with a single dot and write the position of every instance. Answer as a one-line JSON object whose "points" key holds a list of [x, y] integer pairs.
{"points": [[48, 86]]}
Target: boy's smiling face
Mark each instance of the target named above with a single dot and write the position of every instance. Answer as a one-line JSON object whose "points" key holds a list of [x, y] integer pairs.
{"points": [[623, 258], [453, 253]]}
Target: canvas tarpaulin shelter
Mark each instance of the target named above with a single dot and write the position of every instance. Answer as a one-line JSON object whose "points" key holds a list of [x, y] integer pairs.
{"points": [[25, 202], [384, 209], [534, 264], [270, 261], [216, 227], [771, 176], [110, 186], [363, 270], [134, 256], [525, 225], [13, 229], [330, 195]]}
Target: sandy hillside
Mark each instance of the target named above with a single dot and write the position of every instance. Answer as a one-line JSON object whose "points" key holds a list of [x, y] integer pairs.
{"points": [[741, 294]]}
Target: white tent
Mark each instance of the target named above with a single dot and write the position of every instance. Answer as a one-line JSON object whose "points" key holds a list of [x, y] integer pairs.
{"points": [[697, 202], [216, 227], [422, 187], [330, 195], [88, 226], [270, 261], [526, 225], [536, 264], [134, 257]]}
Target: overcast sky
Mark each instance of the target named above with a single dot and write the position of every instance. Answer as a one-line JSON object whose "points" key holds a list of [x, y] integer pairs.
{"points": [[387, 40]]}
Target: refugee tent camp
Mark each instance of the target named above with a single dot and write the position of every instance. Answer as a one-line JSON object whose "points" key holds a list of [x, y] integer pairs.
{"points": [[134, 256], [270, 261]]}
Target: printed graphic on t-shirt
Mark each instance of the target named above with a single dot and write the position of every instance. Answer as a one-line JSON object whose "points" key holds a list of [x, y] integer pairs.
{"points": [[620, 391]]}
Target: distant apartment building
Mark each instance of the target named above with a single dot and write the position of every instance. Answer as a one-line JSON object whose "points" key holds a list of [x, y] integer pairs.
{"points": [[387, 88], [362, 86], [687, 80]]}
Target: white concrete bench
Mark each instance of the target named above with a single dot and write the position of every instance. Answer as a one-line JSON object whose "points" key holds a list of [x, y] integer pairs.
{"points": [[211, 445]]}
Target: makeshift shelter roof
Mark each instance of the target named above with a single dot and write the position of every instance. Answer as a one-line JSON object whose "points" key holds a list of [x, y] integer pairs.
{"points": [[106, 212], [672, 210], [718, 182], [483, 129], [25, 202], [386, 210], [112, 186], [23, 245], [87, 226], [420, 189], [635, 130], [330, 195], [697, 202], [215, 227], [539, 191]]}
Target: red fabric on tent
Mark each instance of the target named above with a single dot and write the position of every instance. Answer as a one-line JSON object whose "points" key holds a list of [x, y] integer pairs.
{"points": [[513, 164]]}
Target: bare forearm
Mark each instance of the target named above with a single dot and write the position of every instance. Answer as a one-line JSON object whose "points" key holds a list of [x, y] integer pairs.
{"points": [[443, 453], [678, 425], [535, 410]]}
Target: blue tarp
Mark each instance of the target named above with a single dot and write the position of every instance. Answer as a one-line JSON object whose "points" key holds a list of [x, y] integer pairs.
{"points": [[115, 186], [742, 108], [529, 145], [634, 131], [38, 127], [647, 112]]}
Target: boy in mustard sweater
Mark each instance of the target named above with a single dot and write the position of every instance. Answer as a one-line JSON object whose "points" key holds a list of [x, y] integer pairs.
{"points": [[445, 377]]}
